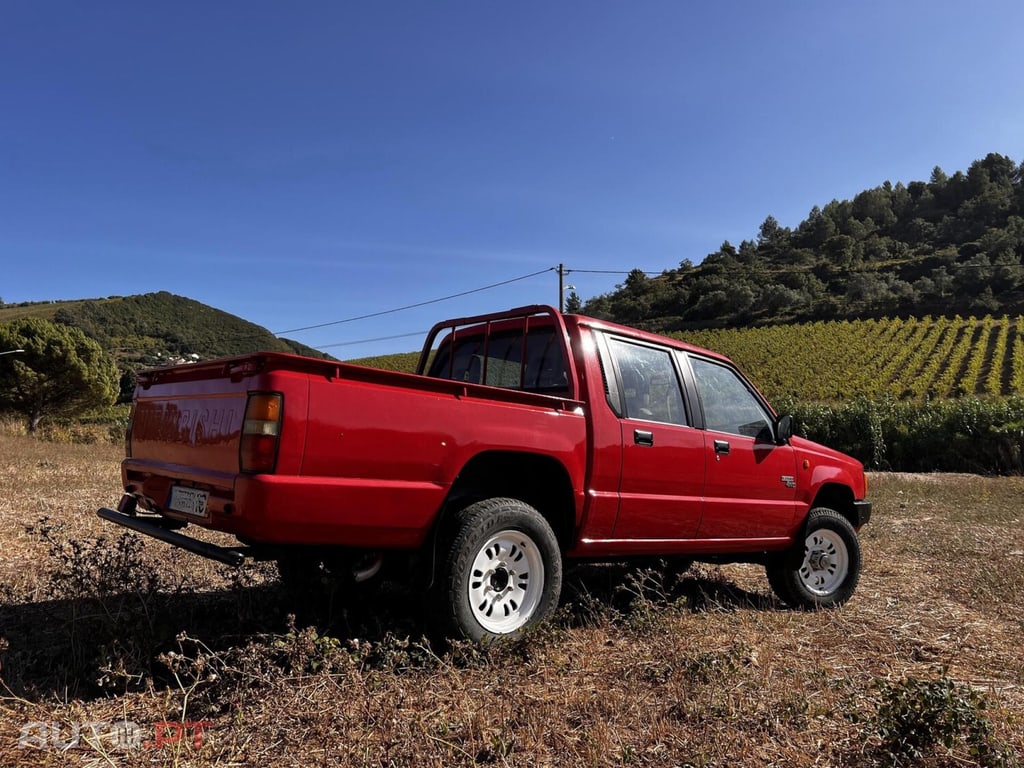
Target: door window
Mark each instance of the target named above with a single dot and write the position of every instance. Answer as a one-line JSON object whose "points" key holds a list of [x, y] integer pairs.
{"points": [[650, 386], [729, 405]]}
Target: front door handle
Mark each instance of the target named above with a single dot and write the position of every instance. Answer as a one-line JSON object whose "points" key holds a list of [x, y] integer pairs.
{"points": [[643, 437], [722, 447]]}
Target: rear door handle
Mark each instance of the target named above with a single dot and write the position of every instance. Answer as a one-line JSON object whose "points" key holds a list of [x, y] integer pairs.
{"points": [[643, 437], [722, 447]]}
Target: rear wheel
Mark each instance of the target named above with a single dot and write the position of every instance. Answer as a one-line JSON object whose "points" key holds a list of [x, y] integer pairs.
{"points": [[829, 570], [501, 570]]}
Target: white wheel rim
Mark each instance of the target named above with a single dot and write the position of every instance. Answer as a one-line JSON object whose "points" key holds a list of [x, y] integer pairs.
{"points": [[826, 562], [506, 582]]}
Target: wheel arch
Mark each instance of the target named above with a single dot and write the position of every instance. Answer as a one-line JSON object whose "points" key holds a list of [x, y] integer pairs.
{"points": [[538, 480], [837, 497]]}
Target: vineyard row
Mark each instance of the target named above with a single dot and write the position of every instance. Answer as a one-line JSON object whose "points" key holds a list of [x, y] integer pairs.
{"points": [[905, 359]]}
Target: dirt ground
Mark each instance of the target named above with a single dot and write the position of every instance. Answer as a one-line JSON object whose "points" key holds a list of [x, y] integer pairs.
{"points": [[117, 651]]}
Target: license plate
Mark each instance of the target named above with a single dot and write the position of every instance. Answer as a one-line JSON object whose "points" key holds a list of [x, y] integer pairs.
{"points": [[190, 501]]}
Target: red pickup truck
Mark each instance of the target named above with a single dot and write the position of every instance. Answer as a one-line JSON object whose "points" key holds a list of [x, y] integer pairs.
{"points": [[527, 438]]}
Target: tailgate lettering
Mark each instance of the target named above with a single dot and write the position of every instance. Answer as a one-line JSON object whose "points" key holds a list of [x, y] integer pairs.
{"points": [[171, 423]]}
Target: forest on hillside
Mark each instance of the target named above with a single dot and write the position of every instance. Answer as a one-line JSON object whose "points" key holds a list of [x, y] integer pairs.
{"points": [[950, 245], [155, 329], [148, 329]]}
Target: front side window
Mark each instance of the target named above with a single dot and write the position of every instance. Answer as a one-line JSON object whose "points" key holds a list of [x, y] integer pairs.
{"points": [[650, 386], [729, 405]]}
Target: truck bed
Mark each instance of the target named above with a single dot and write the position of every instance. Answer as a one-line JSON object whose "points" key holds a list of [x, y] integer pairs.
{"points": [[365, 458]]}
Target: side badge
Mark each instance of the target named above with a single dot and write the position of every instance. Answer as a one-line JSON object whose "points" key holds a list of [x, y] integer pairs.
{"points": [[789, 481]]}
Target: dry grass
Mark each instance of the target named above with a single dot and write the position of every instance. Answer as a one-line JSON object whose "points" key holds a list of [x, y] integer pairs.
{"points": [[641, 668]]}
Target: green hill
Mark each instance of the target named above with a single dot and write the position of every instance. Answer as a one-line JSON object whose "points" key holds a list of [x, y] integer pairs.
{"points": [[951, 245], [152, 328]]}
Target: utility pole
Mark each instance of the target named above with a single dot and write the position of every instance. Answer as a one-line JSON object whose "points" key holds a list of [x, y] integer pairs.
{"points": [[562, 272]]}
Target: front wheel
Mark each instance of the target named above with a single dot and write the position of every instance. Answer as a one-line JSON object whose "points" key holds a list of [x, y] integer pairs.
{"points": [[501, 570], [830, 569]]}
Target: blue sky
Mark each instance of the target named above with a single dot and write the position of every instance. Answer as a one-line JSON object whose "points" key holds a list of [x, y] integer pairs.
{"points": [[305, 163]]}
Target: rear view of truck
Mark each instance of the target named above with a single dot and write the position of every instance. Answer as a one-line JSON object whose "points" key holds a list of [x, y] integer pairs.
{"points": [[198, 437], [185, 454]]}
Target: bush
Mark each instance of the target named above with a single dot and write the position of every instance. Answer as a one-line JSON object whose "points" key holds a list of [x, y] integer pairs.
{"points": [[984, 436], [101, 426], [117, 608], [916, 716]]}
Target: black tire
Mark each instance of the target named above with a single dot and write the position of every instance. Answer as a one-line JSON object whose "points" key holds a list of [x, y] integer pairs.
{"points": [[500, 571], [822, 571]]}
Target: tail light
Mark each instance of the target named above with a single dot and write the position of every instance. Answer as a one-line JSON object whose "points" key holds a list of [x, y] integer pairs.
{"points": [[261, 433]]}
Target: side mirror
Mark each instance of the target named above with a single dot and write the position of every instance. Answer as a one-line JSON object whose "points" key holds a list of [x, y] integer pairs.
{"points": [[783, 429]]}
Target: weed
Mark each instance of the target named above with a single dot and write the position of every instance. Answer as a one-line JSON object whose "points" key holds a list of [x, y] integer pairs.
{"points": [[95, 569], [711, 666], [114, 598], [646, 594], [915, 716]]}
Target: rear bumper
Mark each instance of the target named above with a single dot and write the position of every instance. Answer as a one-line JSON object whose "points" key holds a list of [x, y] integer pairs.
{"points": [[125, 515], [365, 513]]}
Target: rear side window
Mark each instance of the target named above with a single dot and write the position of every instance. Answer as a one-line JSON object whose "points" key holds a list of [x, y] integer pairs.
{"points": [[649, 383], [729, 405], [502, 360]]}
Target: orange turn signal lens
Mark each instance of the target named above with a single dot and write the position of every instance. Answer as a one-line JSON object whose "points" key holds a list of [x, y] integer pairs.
{"points": [[263, 407]]}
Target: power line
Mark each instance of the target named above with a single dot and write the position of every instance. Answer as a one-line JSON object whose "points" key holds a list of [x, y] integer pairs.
{"points": [[419, 334], [417, 305]]}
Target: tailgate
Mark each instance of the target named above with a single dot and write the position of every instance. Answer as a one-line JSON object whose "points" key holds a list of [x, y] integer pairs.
{"points": [[200, 430], [185, 436]]}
